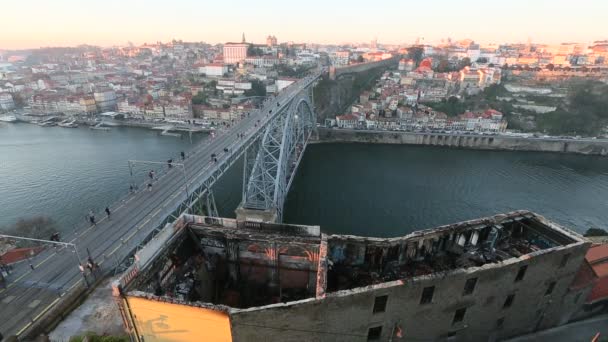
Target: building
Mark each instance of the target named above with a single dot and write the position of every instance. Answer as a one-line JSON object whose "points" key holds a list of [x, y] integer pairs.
{"points": [[217, 279], [271, 41], [235, 52], [6, 101], [284, 82], [105, 99], [214, 69]]}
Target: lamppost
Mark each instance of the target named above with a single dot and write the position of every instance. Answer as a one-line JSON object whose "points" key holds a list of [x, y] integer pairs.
{"points": [[60, 243]]}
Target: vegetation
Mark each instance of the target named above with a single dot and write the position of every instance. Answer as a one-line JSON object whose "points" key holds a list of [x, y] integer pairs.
{"points": [[415, 53], [257, 89], [38, 227], [444, 65], [292, 71], [200, 99], [254, 51], [454, 106], [583, 113], [595, 232]]}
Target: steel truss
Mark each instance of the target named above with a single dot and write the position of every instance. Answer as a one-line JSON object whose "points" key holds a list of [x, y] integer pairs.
{"points": [[273, 161]]}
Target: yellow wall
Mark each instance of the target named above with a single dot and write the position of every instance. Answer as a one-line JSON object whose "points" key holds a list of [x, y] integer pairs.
{"points": [[159, 321]]}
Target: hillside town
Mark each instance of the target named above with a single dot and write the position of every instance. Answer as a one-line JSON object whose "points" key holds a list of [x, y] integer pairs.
{"points": [[186, 82]]}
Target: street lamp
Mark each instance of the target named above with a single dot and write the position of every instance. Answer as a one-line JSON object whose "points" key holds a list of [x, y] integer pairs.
{"points": [[50, 242]]}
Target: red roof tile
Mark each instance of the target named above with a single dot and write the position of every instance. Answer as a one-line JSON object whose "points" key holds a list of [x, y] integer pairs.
{"points": [[597, 253]]}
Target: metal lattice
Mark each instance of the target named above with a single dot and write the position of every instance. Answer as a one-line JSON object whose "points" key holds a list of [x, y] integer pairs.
{"points": [[270, 170]]}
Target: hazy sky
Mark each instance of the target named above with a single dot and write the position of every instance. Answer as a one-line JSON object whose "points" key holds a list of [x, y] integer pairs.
{"points": [[35, 23]]}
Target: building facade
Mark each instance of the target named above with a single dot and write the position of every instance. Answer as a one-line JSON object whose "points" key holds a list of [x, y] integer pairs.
{"points": [[235, 52], [227, 280]]}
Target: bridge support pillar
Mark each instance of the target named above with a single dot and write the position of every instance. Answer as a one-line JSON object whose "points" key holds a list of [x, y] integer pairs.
{"points": [[257, 215]]}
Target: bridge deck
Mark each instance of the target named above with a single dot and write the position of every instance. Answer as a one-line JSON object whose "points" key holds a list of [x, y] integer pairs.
{"points": [[30, 293]]}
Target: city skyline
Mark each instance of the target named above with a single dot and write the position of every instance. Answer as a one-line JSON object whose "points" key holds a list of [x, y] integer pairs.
{"points": [[35, 23]]}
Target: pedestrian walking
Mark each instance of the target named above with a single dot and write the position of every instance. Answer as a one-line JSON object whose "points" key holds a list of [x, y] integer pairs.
{"points": [[92, 218], [183, 155], [131, 188], [150, 186], [151, 175], [108, 212]]}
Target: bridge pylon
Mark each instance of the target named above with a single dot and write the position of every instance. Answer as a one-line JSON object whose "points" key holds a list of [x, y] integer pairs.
{"points": [[272, 161]]}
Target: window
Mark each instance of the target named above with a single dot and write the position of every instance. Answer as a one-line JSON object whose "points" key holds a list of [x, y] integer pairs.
{"points": [[500, 322], [380, 304], [564, 261], [508, 301], [550, 288], [459, 315], [521, 273], [427, 295], [374, 333], [469, 286]]}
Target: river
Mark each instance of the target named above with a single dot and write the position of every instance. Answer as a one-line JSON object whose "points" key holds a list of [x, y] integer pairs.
{"points": [[62, 173], [391, 190], [372, 190]]}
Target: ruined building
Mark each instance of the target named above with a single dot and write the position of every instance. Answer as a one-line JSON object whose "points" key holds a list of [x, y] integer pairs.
{"points": [[214, 279]]}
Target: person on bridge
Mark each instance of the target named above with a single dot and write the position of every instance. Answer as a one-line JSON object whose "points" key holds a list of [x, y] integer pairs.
{"points": [[151, 175], [92, 218], [150, 186], [170, 163], [183, 155], [108, 212]]}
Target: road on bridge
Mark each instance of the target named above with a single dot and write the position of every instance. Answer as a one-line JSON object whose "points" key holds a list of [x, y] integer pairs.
{"points": [[30, 293]]}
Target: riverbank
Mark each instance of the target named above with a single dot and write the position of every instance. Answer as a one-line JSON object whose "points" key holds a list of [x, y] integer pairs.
{"points": [[478, 142]]}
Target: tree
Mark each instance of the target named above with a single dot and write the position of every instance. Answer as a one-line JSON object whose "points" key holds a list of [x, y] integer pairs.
{"points": [[415, 53], [360, 59], [257, 89], [595, 232], [505, 66], [465, 62], [252, 50], [38, 227], [443, 65], [550, 67], [199, 99]]}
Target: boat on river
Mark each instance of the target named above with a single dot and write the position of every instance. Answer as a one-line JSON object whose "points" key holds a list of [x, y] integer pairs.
{"points": [[68, 124], [8, 118]]}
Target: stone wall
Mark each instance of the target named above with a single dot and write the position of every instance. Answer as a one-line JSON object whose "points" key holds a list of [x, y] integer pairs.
{"points": [[348, 315], [480, 142]]}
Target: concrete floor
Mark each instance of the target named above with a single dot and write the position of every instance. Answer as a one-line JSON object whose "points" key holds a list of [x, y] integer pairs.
{"points": [[98, 314]]}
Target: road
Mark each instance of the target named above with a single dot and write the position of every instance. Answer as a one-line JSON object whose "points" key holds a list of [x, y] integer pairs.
{"points": [[32, 292]]}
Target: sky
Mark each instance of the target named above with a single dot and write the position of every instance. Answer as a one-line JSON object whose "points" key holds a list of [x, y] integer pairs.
{"points": [[38, 23]]}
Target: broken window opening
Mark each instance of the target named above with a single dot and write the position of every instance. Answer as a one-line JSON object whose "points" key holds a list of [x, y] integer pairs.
{"points": [[374, 334], [427, 295], [521, 273], [550, 288], [459, 315], [564, 261], [380, 304], [469, 286], [508, 301]]}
